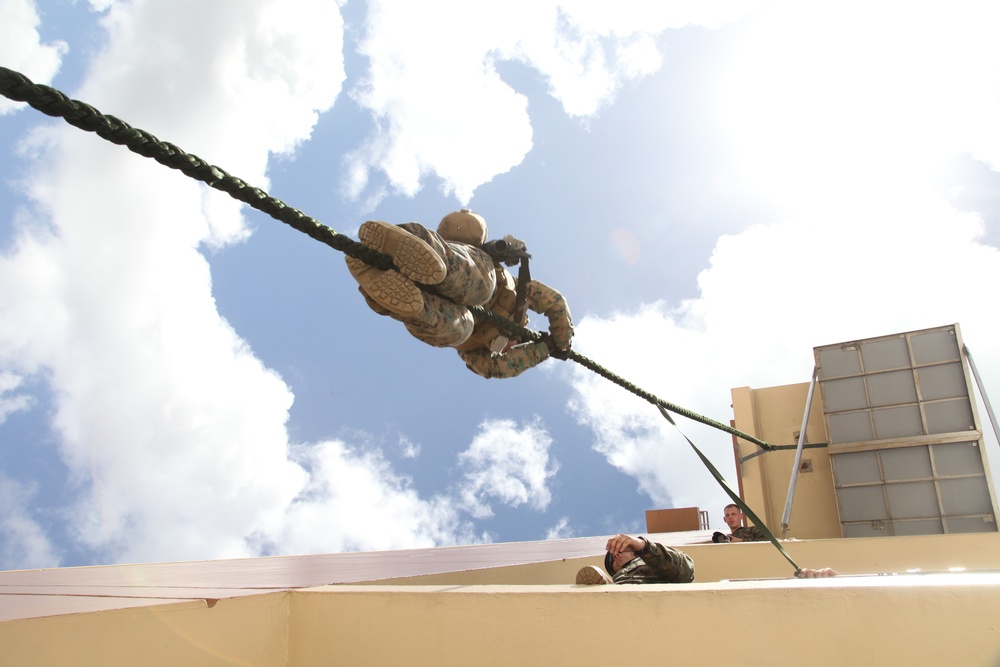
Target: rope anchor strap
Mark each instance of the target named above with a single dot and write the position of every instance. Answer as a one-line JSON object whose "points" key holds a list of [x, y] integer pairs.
{"points": [[733, 495]]}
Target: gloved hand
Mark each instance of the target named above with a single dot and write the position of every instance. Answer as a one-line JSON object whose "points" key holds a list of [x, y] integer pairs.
{"points": [[554, 351]]}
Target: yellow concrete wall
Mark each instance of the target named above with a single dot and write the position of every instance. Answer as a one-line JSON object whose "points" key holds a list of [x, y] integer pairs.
{"points": [[919, 621], [866, 619], [552, 572], [717, 562], [870, 555], [774, 415], [251, 630]]}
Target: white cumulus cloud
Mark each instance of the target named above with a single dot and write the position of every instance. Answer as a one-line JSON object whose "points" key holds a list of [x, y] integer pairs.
{"points": [[442, 109], [23, 541], [509, 463], [173, 432], [354, 501], [21, 47]]}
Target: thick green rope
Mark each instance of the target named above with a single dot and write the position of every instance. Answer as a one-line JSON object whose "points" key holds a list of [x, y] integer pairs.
{"points": [[526, 334], [51, 102]]}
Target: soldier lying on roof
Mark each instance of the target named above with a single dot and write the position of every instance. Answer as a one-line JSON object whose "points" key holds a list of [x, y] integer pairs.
{"points": [[636, 560]]}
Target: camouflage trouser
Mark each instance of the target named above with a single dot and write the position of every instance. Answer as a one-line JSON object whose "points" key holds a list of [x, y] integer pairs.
{"points": [[471, 281]]}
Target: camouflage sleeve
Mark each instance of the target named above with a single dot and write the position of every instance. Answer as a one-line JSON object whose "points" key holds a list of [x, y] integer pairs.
{"points": [[543, 299], [510, 364], [669, 565], [750, 534]]}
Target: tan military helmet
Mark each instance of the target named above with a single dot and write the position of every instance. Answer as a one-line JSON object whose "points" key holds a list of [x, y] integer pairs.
{"points": [[463, 227]]}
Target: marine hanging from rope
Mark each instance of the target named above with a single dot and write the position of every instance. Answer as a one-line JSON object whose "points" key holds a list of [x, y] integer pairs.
{"points": [[18, 87], [458, 268]]}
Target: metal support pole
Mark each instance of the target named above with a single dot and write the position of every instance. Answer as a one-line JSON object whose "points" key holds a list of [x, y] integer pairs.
{"points": [[798, 456], [982, 391]]}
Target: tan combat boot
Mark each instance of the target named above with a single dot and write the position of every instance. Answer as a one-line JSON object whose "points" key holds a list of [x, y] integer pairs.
{"points": [[389, 289], [592, 575], [413, 256]]}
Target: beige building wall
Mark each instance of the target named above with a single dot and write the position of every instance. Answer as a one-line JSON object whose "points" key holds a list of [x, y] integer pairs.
{"points": [[926, 599], [926, 620], [774, 415], [779, 623], [759, 560], [251, 630]]}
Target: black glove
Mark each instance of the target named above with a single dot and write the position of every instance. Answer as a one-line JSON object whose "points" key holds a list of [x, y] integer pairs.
{"points": [[553, 350], [719, 537]]}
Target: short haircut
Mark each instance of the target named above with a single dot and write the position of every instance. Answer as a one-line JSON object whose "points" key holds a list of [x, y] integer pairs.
{"points": [[732, 505]]}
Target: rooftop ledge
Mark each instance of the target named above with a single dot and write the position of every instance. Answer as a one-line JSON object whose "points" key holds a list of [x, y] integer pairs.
{"points": [[880, 581], [279, 615]]}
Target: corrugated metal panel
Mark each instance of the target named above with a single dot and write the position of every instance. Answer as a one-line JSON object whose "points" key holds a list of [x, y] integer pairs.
{"points": [[905, 441]]}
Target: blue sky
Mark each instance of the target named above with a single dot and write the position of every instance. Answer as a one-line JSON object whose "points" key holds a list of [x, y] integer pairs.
{"points": [[715, 190]]}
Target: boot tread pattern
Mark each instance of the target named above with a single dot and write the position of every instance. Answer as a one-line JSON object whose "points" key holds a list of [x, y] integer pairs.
{"points": [[412, 256], [389, 289], [591, 575]]}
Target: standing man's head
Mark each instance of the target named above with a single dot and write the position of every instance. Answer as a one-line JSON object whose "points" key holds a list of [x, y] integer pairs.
{"points": [[733, 517]]}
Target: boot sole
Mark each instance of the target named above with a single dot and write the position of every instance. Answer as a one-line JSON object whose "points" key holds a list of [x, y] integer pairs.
{"points": [[414, 258], [389, 289], [591, 576]]}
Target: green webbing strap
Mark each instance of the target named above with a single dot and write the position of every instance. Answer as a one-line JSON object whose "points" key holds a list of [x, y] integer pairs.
{"points": [[521, 293], [732, 494], [775, 448], [52, 102]]}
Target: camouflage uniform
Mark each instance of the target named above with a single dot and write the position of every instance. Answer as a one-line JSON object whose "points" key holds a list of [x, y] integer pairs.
{"points": [[656, 564], [475, 279], [750, 534]]}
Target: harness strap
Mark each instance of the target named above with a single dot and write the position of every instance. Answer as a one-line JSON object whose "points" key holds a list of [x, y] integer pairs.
{"points": [[521, 300], [511, 251]]}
